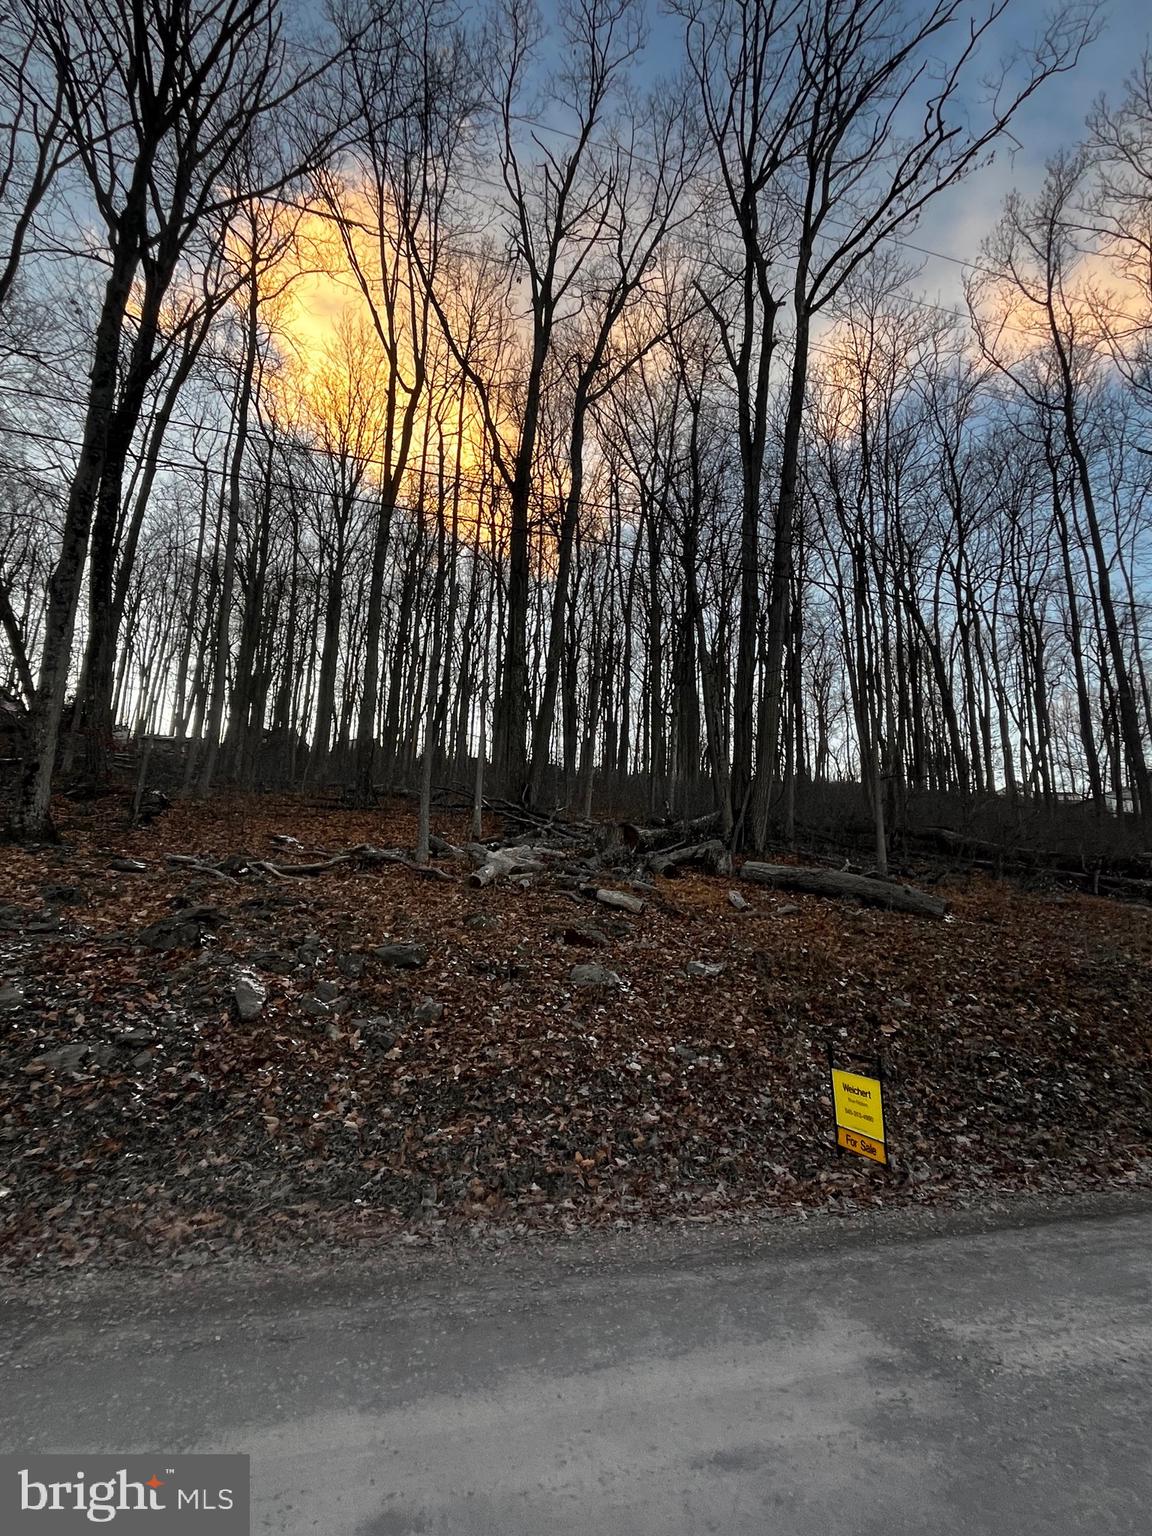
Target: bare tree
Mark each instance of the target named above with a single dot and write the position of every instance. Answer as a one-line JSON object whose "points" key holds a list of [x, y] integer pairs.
{"points": [[1031, 274], [158, 103]]}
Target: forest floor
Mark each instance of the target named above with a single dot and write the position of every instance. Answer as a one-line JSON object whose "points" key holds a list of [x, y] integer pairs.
{"points": [[482, 1093]]}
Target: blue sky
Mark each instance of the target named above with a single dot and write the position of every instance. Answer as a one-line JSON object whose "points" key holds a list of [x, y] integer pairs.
{"points": [[1055, 118]]}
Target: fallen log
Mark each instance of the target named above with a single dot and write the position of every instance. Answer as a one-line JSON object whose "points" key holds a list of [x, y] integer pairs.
{"points": [[1114, 874], [641, 839], [711, 856], [551, 824], [1066, 861], [429, 872], [831, 882], [304, 870], [1119, 885], [441, 849], [673, 834], [199, 867], [368, 854], [621, 900], [363, 853], [502, 862]]}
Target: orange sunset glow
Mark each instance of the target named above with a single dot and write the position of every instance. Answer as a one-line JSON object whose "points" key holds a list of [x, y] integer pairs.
{"points": [[347, 331]]}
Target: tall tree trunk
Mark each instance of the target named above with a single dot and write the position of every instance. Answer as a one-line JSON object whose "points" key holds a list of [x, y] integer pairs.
{"points": [[31, 818]]}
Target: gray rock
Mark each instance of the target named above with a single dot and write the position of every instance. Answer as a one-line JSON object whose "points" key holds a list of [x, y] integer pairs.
{"points": [[42, 922], [183, 930], [704, 968], [249, 995], [314, 1007], [65, 1058], [350, 965], [588, 935], [326, 991], [593, 975], [378, 1027], [621, 900], [74, 1056], [404, 957], [428, 1010], [10, 995], [275, 964]]}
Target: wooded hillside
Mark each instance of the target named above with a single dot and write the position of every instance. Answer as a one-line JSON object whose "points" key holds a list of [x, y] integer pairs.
{"points": [[201, 1064], [381, 432]]}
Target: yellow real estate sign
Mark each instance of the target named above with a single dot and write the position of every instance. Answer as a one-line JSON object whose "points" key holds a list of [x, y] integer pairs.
{"points": [[859, 1103]]}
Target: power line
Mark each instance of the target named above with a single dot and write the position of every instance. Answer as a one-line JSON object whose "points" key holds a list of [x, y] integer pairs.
{"points": [[360, 499], [301, 444], [698, 244]]}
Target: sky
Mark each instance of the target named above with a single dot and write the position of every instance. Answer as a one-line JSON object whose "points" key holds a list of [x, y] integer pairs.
{"points": [[1054, 119], [959, 221]]}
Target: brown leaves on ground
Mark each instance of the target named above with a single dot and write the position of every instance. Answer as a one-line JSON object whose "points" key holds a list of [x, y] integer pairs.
{"points": [[483, 1089]]}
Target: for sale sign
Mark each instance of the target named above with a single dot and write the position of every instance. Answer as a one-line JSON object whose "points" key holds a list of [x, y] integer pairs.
{"points": [[859, 1106]]}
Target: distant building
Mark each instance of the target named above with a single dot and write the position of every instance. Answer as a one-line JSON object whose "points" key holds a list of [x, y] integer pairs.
{"points": [[1126, 805], [13, 726]]}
